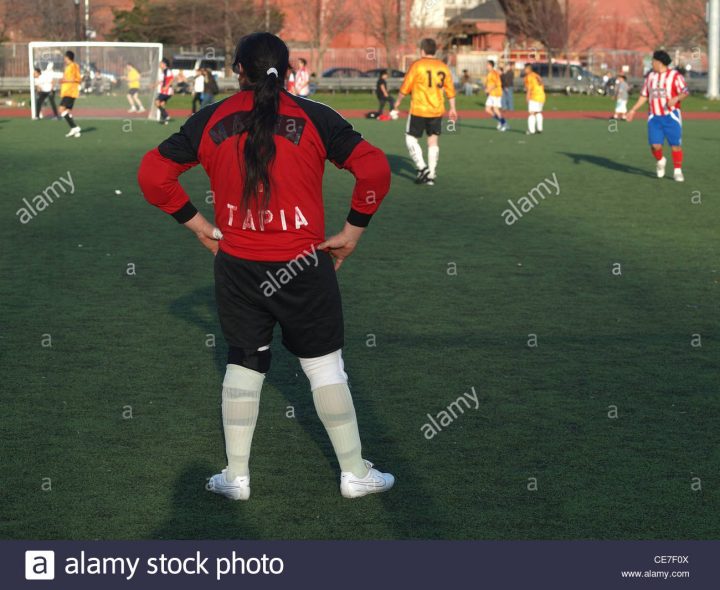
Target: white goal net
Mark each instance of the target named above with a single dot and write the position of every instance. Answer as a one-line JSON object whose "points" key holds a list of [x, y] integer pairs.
{"points": [[119, 80]]}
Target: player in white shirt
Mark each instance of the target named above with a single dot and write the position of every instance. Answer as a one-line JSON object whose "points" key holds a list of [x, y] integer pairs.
{"points": [[44, 86], [302, 78]]}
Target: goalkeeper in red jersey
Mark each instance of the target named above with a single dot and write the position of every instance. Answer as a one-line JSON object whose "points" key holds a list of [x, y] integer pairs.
{"points": [[273, 263]]}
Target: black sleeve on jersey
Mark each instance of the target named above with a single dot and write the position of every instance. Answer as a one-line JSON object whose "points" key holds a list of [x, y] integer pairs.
{"points": [[336, 133], [182, 147]]}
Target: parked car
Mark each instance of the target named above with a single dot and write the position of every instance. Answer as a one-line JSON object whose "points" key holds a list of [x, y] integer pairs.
{"points": [[96, 81], [343, 73], [189, 63], [570, 78], [375, 73]]}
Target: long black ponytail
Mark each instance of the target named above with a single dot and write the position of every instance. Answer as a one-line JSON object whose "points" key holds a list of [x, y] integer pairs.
{"points": [[264, 60]]}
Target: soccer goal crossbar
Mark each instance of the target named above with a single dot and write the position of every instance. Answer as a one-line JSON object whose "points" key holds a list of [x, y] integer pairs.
{"points": [[116, 77]]}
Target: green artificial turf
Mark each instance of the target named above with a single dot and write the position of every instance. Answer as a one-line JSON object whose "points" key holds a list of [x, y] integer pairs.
{"points": [[440, 297]]}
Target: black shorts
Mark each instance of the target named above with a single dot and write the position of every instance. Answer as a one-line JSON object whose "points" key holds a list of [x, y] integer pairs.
{"points": [[430, 125], [133, 91], [163, 97], [301, 295], [68, 102]]}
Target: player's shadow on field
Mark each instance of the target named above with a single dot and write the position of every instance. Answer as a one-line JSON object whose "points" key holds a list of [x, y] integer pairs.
{"points": [[89, 129], [188, 516], [401, 166], [607, 163]]}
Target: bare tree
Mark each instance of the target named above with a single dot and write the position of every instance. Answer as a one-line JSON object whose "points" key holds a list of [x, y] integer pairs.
{"points": [[675, 23], [383, 21], [539, 20], [325, 20], [39, 19]]}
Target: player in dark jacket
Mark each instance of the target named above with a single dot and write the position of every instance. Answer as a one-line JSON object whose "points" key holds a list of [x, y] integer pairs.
{"points": [[265, 151]]}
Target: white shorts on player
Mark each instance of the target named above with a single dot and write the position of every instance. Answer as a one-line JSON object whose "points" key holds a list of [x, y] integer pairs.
{"points": [[621, 106], [494, 101], [535, 106]]}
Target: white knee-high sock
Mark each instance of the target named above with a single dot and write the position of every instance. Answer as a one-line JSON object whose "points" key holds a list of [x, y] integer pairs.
{"points": [[413, 146], [531, 122], [433, 156], [539, 118], [335, 408], [240, 405]]}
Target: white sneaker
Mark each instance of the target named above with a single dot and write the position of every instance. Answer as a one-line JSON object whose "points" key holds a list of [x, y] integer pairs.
{"points": [[678, 175], [74, 132], [239, 489], [132, 110], [141, 110], [660, 167], [504, 127], [373, 483], [499, 126]]}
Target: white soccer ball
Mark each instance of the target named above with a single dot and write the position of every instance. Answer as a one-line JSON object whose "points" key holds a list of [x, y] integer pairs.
{"points": [[394, 114]]}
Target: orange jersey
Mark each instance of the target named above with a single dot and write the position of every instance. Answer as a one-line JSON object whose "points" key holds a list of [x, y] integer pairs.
{"points": [[534, 87], [493, 85], [426, 80], [71, 81]]}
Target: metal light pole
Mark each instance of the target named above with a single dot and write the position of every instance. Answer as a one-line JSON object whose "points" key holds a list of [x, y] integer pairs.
{"points": [[78, 33], [87, 19], [713, 48]]}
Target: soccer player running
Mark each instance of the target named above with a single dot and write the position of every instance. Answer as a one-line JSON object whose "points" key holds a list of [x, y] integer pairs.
{"points": [[133, 79], [272, 261], [426, 80], [535, 98], [69, 91], [663, 90], [493, 89], [166, 90]]}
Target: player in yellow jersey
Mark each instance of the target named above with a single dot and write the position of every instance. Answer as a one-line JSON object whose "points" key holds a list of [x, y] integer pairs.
{"points": [[535, 95], [133, 79], [429, 81], [69, 91], [493, 89]]}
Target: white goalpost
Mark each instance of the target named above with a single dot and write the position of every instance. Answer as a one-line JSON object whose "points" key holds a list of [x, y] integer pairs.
{"points": [[105, 68]]}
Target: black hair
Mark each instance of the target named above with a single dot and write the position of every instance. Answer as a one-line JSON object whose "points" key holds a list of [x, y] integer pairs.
{"points": [[166, 61], [70, 55], [382, 72], [38, 70], [663, 57], [302, 60], [491, 62], [429, 46], [257, 53]]}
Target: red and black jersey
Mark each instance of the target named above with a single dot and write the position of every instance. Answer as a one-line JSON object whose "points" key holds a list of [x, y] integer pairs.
{"points": [[307, 133]]}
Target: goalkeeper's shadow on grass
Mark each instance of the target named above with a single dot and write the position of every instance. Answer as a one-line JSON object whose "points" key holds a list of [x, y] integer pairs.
{"points": [[607, 163], [198, 309], [401, 166], [189, 514]]}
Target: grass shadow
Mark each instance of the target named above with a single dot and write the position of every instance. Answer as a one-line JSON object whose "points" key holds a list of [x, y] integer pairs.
{"points": [[188, 518], [401, 166], [607, 163]]}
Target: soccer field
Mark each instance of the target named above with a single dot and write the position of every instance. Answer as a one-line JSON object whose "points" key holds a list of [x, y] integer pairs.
{"points": [[588, 330]]}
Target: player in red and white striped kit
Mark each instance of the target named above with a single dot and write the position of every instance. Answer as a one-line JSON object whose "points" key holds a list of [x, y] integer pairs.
{"points": [[663, 90], [165, 90]]}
